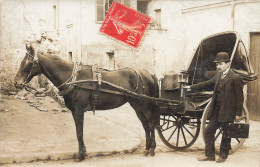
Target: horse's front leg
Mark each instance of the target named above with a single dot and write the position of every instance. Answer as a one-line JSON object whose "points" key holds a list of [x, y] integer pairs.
{"points": [[153, 142], [78, 116]]}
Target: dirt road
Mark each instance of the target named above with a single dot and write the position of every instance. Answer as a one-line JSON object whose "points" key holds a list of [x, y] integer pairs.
{"points": [[17, 111], [167, 159]]}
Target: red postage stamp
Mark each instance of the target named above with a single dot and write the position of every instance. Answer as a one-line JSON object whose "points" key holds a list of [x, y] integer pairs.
{"points": [[125, 24]]}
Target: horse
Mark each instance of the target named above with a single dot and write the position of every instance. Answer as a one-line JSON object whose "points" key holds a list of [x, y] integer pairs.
{"points": [[78, 99]]}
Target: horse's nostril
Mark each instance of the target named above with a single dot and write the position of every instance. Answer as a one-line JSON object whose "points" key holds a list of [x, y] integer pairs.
{"points": [[16, 84]]}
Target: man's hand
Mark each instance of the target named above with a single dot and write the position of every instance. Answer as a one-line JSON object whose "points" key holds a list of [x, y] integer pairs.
{"points": [[187, 88], [238, 118]]}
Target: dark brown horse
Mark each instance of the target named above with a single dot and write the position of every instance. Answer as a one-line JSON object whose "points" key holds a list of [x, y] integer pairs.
{"points": [[78, 99]]}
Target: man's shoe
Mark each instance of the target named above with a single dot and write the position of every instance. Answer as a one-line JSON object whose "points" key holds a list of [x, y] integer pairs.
{"points": [[205, 158], [220, 160]]}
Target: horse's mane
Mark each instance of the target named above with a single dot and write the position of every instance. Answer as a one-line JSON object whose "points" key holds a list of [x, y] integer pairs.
{"points": [[54, 57]]}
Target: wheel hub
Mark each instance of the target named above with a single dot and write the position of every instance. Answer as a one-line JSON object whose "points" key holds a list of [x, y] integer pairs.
{"points": [[179, 122]]}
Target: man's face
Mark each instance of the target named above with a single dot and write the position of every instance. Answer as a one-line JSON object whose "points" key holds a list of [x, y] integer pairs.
{"points": [[222, 66]]}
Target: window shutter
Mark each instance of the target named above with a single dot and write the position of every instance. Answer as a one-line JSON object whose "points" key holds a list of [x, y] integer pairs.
{"points": [[100, 10]]}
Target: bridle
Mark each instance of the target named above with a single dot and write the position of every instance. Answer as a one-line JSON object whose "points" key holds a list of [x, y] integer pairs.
{"points": [[35, 62]]}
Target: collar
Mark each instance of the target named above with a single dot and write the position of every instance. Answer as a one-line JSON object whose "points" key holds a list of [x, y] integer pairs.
{"points": [[224, 73]]}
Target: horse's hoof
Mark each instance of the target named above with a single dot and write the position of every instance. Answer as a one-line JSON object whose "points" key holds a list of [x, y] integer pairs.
{"points": [[146, 152], [152, 153], [78, 159]]}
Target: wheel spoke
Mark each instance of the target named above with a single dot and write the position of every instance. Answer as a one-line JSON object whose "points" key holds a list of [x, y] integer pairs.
{"points": [[172, 133], [188, 131], [168, 128], [166, 120], [183, 136], [166, 123], [178, 134], [163, 119], [174, 118]]}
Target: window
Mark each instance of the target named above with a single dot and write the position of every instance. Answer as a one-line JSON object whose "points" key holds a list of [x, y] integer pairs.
{"points": [[70, 56], [158, 18], [142, 6], [54, 17], [111, 61], [103, 8]]}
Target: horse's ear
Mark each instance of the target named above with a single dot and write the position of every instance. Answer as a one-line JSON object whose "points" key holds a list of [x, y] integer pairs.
{"points": [[35, 46], [28, 46]]}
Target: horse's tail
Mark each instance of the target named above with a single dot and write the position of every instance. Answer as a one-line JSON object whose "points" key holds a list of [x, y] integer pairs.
{"points": [[156, 108], [156, 85]]}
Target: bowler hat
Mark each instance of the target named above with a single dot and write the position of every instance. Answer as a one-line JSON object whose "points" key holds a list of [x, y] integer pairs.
{"points": [[222, 57]]}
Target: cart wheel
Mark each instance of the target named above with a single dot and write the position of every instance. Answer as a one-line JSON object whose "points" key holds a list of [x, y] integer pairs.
{"points": [[178, 132], [236, 143]]}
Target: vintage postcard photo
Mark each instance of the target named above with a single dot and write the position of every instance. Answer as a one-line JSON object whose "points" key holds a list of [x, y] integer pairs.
{"points": [[123, 83]]}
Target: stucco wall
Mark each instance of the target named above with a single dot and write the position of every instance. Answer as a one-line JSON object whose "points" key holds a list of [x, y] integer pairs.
{"points": [[20, 20], [167, 49], [82, 18], [201, 23]]}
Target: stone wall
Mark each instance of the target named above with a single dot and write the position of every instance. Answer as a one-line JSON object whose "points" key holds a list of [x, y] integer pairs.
{"points": [[21, 20]]}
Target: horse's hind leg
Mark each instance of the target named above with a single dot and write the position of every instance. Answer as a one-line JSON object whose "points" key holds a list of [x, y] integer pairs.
{"points": [[148, 140], [153, 143], [139, 109], [78, 116], [147, 137], [154, 121]]}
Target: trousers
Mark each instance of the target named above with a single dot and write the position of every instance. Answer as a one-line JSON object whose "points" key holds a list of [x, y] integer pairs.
{"points": [[210, 132]]}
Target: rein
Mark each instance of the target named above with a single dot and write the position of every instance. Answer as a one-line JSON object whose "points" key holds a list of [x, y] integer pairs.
{"points": [[34, 91]]}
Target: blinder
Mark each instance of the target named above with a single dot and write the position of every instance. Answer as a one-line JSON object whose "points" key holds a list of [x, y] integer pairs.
{"points": [[34, 62]]}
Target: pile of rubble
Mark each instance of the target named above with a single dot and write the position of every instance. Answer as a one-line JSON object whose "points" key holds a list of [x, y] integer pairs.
{"points": [[39, 102]]}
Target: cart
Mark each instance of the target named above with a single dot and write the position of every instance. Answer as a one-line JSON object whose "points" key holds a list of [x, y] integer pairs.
{"points": [[180, 124]]}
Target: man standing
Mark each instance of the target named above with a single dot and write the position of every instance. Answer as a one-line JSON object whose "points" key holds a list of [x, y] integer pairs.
{"points": [[227, 103]]}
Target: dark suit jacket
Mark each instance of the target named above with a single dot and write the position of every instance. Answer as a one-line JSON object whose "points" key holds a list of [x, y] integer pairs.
{"points": [[230, 93]]}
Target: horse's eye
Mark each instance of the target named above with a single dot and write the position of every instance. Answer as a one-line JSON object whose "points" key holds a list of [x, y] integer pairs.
{"points": [[27, 67]]}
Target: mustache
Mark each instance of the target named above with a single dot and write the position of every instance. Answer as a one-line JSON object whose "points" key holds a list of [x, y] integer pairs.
{"points": [[219, 69]]}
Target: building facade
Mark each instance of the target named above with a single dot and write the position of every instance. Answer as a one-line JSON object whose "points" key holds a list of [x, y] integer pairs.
{"points": [[168, 45]]}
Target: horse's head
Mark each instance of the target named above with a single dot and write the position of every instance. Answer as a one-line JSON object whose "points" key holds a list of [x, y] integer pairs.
{"points": [[29, 66]]}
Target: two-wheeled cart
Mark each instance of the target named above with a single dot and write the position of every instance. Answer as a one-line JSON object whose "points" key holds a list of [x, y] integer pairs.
{"points": [[180, 126]]}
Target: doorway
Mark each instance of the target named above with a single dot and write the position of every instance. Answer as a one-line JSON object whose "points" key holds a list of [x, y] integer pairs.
{"points": [[253, 101]]}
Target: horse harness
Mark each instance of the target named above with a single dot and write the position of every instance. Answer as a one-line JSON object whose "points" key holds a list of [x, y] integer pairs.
{"points": [[96, 76], [73, 77]]}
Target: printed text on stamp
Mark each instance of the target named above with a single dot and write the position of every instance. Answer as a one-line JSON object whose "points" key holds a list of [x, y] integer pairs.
{"points": [[125, 24]]}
